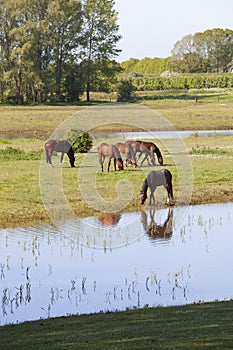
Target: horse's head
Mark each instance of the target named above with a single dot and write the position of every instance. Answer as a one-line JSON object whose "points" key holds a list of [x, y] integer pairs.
{"points": [[160, 160], [120, 164], [143, 197], [133, 163]]}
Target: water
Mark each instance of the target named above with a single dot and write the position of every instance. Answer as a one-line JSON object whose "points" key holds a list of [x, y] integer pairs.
{"points": [[163, 134], [47, 272], [142, 135]]}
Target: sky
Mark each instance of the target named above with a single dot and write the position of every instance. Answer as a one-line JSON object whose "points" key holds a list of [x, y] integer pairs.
{"points": [[150, 28]]}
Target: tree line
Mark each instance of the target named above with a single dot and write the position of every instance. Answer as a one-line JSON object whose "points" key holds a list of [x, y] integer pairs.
{"points": [[210, 51], [54, 50]]}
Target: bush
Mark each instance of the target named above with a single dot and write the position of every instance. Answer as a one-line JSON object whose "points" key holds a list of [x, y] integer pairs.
{"points": [[79, 140], [11, 153], [125, 90]]}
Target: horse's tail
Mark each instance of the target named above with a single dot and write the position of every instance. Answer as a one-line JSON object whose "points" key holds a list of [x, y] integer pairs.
{"points": [[169, 183]]}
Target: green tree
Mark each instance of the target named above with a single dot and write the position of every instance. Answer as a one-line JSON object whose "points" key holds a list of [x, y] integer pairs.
{"points": [[99, 38], [209, 51], [65, 23]]}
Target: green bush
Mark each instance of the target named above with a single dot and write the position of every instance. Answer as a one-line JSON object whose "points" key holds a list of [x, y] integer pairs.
{"points": [[18, 154], [124, 90], [79, 140]]}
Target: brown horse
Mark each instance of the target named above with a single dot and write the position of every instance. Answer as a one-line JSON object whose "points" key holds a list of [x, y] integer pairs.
{"points": [[153, 149], [137, 146], [110, 151], [154, 179], [127, 149], [62, 146]]}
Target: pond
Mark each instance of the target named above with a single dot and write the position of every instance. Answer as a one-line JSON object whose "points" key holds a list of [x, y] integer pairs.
{"points": [[147, 258]]}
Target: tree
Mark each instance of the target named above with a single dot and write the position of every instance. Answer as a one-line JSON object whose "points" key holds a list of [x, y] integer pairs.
{"points": [[99, 39], [211, 50], [65, 23]]}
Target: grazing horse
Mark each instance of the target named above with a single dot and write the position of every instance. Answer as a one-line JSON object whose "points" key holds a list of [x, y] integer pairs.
{"points": [[62, 146], [110, 151], [127, 149], [137, 146], [154, 179], [153, 149]]}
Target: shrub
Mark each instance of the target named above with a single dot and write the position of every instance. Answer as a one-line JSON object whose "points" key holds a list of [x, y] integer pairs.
{"points": [[79, 140], [11, 153], [125, 90]]}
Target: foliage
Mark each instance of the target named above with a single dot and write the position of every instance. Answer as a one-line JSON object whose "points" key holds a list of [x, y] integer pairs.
{"points": [[99, 39], [209, 51], [51, 49], [125, 90], [11, 153], [146, 65], [183, 82], [80, 140]]}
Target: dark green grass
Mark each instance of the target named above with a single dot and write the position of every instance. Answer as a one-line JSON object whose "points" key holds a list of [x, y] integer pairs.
{"points": [[198, 326]]}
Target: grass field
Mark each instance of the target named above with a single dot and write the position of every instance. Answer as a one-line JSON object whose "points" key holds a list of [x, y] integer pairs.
{"points": [[199, 326]]}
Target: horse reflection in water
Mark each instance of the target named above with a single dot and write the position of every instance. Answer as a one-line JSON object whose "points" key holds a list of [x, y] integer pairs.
{"points": [[157, 231], [109, 220]]}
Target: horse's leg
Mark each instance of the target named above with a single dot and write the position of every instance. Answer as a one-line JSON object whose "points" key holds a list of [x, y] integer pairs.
{"points": [[167, 187], [62, 156], [109, 162], [144, 159], [50, 159], [152, 191], [152, 157], [114, 161], [101, 161]]}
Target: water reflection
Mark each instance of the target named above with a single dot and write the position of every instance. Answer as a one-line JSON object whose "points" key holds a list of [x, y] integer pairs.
{"points": [[44, 272], [109, 219], [157, 231]]}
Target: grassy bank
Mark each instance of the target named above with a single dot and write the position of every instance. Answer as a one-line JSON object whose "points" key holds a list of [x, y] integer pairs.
{"points": [[200, 326]]}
